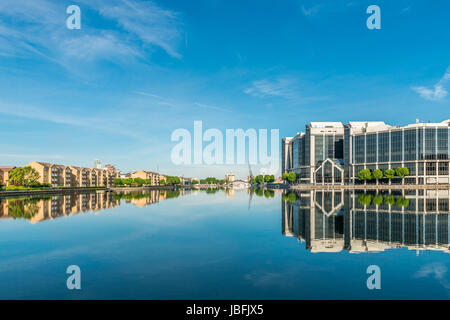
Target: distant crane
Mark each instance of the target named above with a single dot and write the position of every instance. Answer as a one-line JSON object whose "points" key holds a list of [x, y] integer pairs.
{"points": [[250, 173], [250, 177]]}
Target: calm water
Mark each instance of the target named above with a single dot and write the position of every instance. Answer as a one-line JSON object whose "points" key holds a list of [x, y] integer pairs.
{"points": [[226, 245]]}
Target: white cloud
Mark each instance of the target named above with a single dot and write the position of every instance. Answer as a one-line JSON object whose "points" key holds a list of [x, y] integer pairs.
{"points": [[150, 23], [281, 87], [436, 270], [435, 94], [37, 27], [311, 11], [438, 92]]}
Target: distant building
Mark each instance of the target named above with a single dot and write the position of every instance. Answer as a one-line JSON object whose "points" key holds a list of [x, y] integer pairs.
{"points": [[286, 151], [186, 181], [71, 176], [239, 184], [147, 175], [97, 164], [162, 177], [4, 175], [229, 177]]}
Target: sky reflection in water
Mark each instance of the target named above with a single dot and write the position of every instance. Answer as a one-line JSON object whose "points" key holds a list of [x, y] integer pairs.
{"points": [[225, 245]]}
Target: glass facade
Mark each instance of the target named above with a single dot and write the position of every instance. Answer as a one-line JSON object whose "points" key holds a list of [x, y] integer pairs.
{"points": [[328, 146], [396, 145], [410, 145], [442, 144], [407, 145], [295, 153], [430, 144], [423, 149], [383, 147]]}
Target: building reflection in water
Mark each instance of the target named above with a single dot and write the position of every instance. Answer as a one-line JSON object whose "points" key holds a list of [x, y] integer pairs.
{"points": [[332, 221], [38, 209]]}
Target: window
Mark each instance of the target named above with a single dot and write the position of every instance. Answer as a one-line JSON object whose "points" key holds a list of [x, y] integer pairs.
{"points": [[431, 168], [358, 142], [410, 144], [430, 144], [443, 168], [396, 145], [383, 147], [295, 150], [371, 147], [319, 148], [442, 143]]}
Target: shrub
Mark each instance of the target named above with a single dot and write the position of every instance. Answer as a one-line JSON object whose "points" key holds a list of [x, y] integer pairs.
{"points": [[402, 172], [292, 177], [364, 175], [377, 174], [389, 173]]}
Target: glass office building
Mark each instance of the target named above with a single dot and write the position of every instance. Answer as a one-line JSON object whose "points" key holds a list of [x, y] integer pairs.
{"points": [[334, 153], [317, 153]]}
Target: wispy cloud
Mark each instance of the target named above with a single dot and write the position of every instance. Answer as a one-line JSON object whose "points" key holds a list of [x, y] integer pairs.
{"points": [[102, 123], [177, 104], [150, 23], [438, 92], [436, 270], [36, 28], [281, 87], [311, 11], [206, 106]]}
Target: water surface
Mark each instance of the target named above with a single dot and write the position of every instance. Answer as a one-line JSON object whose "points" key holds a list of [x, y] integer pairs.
{"points": [[235, 244]]}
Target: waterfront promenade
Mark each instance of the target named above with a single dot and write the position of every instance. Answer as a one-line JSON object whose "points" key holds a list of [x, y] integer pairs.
{"points": [[368, 187]]}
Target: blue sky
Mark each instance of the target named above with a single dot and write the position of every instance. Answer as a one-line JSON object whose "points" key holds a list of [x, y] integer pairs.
{"points": [[138, 70]]}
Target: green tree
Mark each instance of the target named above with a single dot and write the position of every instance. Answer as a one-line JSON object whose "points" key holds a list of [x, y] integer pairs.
{"points": [[162, 182], [117, 182], [171, 180], [269, 178], [377, 174], [402, 172], [259, 179], [389, 173], [364, 175], [292, 177], [24, 176], [138, 182], [194, 181], [127, 181], [285, 176]]}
